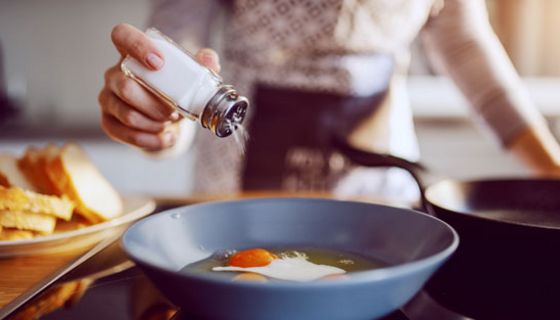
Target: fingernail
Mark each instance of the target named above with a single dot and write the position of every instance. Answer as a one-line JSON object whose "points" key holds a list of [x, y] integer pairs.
{"points": [[211, 59], [208, 57], [154, 61], [174, 116], [169, 138]]}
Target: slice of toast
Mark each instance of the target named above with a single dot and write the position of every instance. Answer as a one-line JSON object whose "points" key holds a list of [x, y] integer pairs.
{"points": [[27, 221], [10, 234], [48, 154], [33, 165], [17, 199], [11, 172], [75, 175]]}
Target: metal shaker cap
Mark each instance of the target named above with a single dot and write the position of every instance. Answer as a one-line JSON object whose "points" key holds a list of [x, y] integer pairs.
{"points": [[224, 112]]}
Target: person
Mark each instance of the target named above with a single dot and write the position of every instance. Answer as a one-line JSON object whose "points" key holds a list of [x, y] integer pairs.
{"points": [[314, 69]]}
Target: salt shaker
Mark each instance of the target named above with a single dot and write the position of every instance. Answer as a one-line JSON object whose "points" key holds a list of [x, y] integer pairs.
{"points": [[195, 91]]}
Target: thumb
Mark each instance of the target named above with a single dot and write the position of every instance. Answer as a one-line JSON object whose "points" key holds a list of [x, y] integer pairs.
{"points": [[209, 58]]}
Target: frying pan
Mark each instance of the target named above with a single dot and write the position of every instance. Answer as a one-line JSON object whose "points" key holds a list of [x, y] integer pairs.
{"points": [[507, 265], [413, 245]]}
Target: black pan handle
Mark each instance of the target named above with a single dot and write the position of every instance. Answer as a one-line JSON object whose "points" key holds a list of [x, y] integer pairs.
{"points": [[371, 159]]}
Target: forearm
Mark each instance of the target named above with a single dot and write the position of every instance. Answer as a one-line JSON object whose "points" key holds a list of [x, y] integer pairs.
{"points": [[465, 47], [462, 44]]}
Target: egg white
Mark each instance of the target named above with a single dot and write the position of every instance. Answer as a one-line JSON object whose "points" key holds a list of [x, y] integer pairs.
{"points": [[290, 268]]}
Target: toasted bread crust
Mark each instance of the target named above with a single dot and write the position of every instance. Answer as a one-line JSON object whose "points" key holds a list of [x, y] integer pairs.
{"points": [[4, 181], [28, 221], [10, 234], [33, 164], [17, 199], [12, 173], [64, 178], [28, 165], [48, 184], [47, 154]]}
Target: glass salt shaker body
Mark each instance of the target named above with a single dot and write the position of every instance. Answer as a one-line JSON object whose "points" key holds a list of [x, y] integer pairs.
{"points": [[195, 91]]}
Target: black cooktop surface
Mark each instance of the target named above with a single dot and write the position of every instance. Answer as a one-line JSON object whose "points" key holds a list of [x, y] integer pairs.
{"points": [[129, 295]]}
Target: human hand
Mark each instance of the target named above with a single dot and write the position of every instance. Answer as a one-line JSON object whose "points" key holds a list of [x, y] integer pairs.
{"points": [[130, 113], [538, 149]]}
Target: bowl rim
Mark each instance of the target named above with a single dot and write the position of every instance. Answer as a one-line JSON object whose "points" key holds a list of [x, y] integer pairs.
{"points": [[358, 277]]}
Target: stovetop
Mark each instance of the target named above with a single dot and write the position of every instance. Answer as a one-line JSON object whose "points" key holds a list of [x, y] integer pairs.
{"points": [[117, 294], [130, 295]]}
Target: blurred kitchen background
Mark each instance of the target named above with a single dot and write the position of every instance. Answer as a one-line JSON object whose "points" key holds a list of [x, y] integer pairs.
{"points": [[53, 54]]}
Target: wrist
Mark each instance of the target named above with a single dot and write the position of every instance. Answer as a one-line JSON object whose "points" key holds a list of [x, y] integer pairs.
{"points": [[537, 148]]}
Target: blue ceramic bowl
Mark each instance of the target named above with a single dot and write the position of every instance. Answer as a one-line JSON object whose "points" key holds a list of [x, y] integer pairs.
{"points": [[412, 243]]}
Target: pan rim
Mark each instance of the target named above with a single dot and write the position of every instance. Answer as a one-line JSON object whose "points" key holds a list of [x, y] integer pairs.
{"points": [[428, 194]]}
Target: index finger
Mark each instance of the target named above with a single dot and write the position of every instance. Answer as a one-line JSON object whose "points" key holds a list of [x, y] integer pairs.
{"points": [[129, 40]]}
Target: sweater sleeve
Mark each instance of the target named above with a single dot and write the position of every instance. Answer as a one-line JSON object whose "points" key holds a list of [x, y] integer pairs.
{"points": [[461, 43]]}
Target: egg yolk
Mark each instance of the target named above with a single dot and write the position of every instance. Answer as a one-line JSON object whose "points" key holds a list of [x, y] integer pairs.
{"points": [[252, 258]]}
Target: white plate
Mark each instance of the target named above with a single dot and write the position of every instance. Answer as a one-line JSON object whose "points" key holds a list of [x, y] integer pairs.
{"points": [[134, 208]]}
